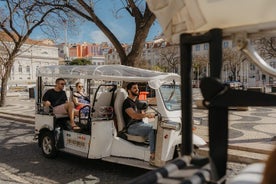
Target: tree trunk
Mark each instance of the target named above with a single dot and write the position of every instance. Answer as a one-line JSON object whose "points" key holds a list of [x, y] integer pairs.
{"points": [[138, 44], [4, 85]]}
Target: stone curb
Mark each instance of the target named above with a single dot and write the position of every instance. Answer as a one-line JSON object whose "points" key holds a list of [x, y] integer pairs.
{"points": [[17, 117], [238, 156]]}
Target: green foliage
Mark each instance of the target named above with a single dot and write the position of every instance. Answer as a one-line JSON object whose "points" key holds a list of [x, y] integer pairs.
{"points": [[80, 61]]}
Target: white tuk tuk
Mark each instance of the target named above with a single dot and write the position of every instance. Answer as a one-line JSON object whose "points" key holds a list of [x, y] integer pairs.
{"points": [[102, 136]]}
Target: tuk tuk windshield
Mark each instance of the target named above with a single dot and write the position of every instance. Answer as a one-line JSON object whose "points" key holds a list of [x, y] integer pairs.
{"points": [[171, 96]]}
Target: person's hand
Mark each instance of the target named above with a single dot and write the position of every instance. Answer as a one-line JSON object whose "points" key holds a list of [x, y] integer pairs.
{"points": [[150, 115], [47, 104]]}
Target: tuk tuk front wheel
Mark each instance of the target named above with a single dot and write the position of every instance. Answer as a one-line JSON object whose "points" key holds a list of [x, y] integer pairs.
{"points": [[48, 147]]}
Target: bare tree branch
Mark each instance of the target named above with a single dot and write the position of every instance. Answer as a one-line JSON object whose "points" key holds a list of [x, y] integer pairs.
{"points": [[17, 23], [233, 59], [171, 56], [266, 47]]}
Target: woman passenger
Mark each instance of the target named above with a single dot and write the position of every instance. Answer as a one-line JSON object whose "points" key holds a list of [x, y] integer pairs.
{"points": [[80, 99]]}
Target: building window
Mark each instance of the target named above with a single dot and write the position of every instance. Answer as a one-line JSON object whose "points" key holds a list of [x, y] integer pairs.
{"points": [[20, 69], [225, 44], [197, 47], [206, 46], [252, 67], [28, 70], [273, 64]]}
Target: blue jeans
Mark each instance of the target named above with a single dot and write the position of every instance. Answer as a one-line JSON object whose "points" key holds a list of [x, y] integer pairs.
{"points": [[144, 130]]}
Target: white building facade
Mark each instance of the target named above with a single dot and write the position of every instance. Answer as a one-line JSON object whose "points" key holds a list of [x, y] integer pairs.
{"points": [[29, 60], [247, 73]]}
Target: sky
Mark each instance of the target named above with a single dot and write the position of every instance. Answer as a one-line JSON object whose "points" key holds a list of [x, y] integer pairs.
{"points": [[123, 27]]}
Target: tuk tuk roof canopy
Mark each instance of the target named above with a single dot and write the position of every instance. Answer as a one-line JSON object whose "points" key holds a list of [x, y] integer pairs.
{"points": [[107, 73], [194, 16]]}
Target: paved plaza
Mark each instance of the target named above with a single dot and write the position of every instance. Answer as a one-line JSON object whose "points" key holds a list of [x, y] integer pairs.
{"points": [[252, 130], [19, 105], [256, 124]]}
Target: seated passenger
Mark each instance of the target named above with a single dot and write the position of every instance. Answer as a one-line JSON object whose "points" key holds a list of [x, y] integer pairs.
{"points": [[133, 118], [57, 99], [80, 99]]}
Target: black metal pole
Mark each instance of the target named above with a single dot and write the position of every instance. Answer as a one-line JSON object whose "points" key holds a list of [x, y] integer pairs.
{"points": [[186, 95], [218, 116], [186, 43], [215, 52], [39, 93]]}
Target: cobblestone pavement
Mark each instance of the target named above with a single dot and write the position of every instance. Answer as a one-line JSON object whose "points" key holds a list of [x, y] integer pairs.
{"points": [[246, 127], [250, 128], [19, 104]]}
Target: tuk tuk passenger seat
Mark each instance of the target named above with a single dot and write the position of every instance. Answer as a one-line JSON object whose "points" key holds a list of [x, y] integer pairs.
{"points": [[103, 100], [121, 95]]}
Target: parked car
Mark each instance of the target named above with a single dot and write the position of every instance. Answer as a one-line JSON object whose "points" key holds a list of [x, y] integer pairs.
{"points": [[234, 84]]}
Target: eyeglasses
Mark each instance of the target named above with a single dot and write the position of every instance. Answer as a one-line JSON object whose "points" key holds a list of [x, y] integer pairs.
{"points": [[80, 86]]}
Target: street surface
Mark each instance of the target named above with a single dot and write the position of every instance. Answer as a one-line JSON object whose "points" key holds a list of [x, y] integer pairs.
{"points": [[21, 161]]}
